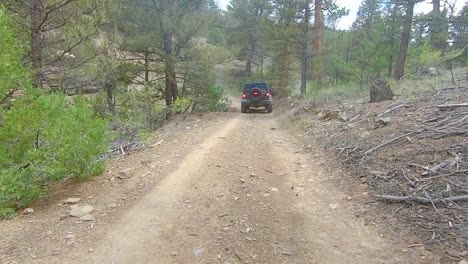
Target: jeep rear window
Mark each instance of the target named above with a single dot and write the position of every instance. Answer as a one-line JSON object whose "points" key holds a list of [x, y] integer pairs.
{"points": [[249, 86]]}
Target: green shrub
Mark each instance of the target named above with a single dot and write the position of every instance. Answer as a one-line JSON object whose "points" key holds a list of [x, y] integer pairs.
{"points": [[12, 74], [43, 140], [139, 110], [212, 99], [182, 104]]}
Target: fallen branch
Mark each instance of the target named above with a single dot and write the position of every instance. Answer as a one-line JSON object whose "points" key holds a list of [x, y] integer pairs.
{"points": [[421, 199], [450, 106], [393, 109], [391, 141]]}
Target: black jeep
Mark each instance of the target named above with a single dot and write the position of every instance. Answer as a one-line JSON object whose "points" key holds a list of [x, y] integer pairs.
{"points": [[256, 94]]}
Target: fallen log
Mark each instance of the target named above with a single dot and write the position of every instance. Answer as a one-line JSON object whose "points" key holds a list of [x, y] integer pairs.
{"points": [[421, 199]]}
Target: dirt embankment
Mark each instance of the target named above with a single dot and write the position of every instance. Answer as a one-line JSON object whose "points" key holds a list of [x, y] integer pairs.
{"points": [[411, 153]]}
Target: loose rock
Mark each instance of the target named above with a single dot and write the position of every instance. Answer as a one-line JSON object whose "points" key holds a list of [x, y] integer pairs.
{"points": [[77, 211], [125, 173], [72, 201], [87, 217], [28, 211]]}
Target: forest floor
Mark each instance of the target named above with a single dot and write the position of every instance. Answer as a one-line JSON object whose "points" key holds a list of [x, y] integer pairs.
{"points": [[215, 188], [295, 186]]}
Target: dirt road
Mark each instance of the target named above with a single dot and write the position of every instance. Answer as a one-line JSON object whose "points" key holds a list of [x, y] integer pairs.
{"points": [[246, 192]]}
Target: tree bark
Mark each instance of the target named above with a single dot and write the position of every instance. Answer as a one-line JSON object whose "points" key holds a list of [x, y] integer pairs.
{"points": [[110, 87], [438, 27], [317, 42], [392, 41], [405, 37], [436, 6], [170, 74], [305, 49], [284, 68], [147, 63], [251, 51], [36, 43]]}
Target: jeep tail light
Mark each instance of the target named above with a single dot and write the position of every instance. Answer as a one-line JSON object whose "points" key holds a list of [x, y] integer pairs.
{"points": [[268, 94], [244, 95]]}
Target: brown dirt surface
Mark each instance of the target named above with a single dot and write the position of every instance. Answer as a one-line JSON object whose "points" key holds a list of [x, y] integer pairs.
{"points": [[423, 154], [218, 188]]}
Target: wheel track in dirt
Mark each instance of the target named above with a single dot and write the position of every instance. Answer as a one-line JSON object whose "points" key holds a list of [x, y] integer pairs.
{"points": [[245, 194]]}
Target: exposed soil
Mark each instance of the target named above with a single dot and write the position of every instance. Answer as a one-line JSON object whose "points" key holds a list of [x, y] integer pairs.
{"points": [[407, 148], [220, 188]]}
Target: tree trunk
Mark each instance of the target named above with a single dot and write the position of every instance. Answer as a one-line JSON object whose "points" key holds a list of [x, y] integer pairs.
{"points": [[392, 41], [110, 87], [248, 67], [284, 68], [170, 74], [317, 42], [250, 54], [436, 6], [305, 49], [36, 43], [438, 27], [405, 37], [147, 62]]}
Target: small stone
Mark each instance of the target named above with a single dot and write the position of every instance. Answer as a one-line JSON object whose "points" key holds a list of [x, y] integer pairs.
{"points": [[349, 198], [248, 230], [218, 165], [55, 252], [112, 205], [174, 254], [266, 194], [252, 174], [333, 206], [384, 120], [28, 211], [273, 128], [77, 211], [72, 201], [125, 173], [70, 236], [236, 198], [274, 190], [242, 180], [187, 201], [364, 245], [90, 250], [87, 217], [198, 252]]}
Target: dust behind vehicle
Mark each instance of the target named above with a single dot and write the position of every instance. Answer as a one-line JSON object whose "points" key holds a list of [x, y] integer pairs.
{"points": [[255, 95]]}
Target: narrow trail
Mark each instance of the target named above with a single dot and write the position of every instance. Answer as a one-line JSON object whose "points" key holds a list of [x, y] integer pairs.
{"points": [[245, 194]]}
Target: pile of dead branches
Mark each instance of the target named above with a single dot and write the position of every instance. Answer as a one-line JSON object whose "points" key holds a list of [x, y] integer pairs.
{"points": [[430, 177], [128, 140]]}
